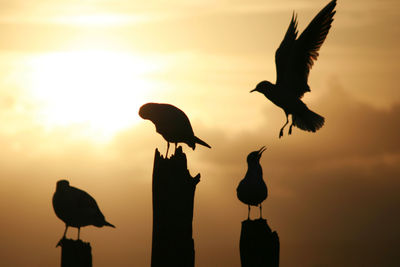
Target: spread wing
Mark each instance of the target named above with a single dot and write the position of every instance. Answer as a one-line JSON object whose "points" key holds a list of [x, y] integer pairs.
{"points": [[284, 52], [305, 50]]}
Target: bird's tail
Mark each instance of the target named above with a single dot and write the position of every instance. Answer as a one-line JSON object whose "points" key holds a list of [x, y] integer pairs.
{"points": [[108, 224], [308, 120], [201, 142]]}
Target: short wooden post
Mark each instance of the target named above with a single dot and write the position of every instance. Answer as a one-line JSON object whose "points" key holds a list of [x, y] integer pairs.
{"points": [[75, 253], [173, 196], [259, 246]]}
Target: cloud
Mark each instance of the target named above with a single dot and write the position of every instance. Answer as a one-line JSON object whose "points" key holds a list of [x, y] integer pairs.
{"points": [[335, 188], [329, 191]]}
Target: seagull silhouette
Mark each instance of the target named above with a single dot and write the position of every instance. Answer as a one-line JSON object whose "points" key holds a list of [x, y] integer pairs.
{"points": [[172, 123], [252, 190], [294, 59], [76, 208]]}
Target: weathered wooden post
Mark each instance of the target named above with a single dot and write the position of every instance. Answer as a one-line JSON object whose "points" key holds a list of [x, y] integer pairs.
{"points": [[173, 197], [75, 253], [259, 246]]}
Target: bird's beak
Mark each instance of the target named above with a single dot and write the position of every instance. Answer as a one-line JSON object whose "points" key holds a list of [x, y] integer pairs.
{"points": [[261, 151], [253, 90]]}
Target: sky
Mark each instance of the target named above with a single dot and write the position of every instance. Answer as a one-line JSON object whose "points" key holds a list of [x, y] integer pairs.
{"points": [[73, 75]]}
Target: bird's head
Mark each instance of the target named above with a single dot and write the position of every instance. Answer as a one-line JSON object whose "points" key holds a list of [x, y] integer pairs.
{"points": [[255, 155], [146, 111], [62, 184], [263, 87]]}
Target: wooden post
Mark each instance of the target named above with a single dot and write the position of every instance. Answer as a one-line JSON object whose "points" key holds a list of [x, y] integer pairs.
{"points": [[173, 196], [259, 246], [75, 253]]}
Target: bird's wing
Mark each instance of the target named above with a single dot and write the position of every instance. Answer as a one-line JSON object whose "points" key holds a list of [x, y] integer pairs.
{"points": [[87, 203], [306, 48], [182, 124], [284, 52]]}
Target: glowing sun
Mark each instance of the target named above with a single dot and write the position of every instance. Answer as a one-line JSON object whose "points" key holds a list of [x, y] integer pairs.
{"points": [[100, 91]]}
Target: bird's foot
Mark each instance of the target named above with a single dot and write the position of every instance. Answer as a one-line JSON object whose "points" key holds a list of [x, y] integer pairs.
{"points": [[281, 133]]}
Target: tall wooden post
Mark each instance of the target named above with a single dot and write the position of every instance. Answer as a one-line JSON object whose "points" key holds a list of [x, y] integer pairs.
{"points": [[173, 196], [75, 253], [259, 246]]}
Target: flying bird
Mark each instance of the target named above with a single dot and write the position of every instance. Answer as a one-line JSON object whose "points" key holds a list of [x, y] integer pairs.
{"points": [[252, 190], [294, 59], [76, 208], [172, 123]]}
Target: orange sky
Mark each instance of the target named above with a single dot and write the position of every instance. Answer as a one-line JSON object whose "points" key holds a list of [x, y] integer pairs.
{"points": [[74, 73]]}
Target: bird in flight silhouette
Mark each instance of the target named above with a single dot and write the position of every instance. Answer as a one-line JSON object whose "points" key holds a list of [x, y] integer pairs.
{"points": [[172, 123], [252, 190], [294, 59], [76, 208]]}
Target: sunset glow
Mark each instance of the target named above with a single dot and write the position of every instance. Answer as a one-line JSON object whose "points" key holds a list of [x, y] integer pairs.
{"points": [[73, 75]]}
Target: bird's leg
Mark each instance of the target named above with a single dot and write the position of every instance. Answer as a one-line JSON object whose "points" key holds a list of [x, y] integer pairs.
{"points": [[65, 231], [287, 121], [290, 128], [260, 211], [61, 240], [79, 232], [248, 214], [166, 155]]}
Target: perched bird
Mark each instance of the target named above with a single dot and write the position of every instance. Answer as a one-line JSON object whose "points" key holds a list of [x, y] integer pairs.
{"points": [[294, 59], [172, 123], [76, 208], [252, 190]]}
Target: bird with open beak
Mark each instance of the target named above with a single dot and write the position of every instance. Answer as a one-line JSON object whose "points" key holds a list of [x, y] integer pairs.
{"points": [[252, 190]]}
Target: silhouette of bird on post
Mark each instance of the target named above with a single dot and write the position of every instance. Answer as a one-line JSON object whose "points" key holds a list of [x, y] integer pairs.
{"points": [[294, 59], [252, 190], [76, 208], [172, 123]]}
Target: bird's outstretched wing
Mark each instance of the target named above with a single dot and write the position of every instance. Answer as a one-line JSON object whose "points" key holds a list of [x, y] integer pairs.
{"points": [[305, 51], [284, 52]]}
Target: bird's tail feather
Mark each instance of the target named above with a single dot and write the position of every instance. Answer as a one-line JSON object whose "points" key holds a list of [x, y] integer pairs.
{"points": [[108, 224], [201, 142], [308, 120]]}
